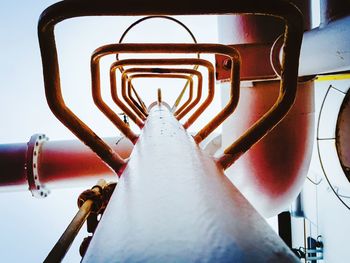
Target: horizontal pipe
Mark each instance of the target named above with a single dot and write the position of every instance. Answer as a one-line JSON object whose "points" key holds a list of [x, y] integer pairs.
{"points": [[12, 165], [174, 204], [326, 50], [60, 163]]}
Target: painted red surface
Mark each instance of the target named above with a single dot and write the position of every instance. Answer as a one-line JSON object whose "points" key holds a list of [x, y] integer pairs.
{"points": [[272, 172]]}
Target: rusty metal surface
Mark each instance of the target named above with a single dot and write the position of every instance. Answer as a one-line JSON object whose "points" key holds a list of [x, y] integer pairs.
{"points": [[68, 9], [179, 211], [231, 53], [343, 135]]}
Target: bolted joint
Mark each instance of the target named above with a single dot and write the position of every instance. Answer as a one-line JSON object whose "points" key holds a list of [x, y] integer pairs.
{"points": [[99, 194], [95, 196], [37, 188]]}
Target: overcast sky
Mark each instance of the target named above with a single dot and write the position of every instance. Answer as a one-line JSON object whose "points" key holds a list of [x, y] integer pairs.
{"points": [[30, 227]]}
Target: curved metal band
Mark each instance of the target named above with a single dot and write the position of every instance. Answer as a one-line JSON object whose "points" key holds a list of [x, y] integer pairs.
{"points": [[128, 95], [106, 110], [187, 106], [143, 108], [113, 85], [147, 48], [68, 9], [138, 102]]}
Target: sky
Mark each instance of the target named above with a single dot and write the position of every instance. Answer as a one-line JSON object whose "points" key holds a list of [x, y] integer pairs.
{"points": [[30, 227]]}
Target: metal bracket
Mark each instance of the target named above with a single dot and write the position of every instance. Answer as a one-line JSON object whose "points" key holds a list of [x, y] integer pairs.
{"points": [[32, 173]]}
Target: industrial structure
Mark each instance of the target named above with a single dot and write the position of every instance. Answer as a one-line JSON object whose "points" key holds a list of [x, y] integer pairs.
{"points": [[167, 195]]}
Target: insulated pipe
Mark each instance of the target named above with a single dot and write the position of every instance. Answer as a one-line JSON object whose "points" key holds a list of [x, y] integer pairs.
{"points": [[176, 205], [59, 164]]}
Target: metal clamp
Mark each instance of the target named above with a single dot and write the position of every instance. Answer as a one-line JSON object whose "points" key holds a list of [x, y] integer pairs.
{"points": [[32, 172]]}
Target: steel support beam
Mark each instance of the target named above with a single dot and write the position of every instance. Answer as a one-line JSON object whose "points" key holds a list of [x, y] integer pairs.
{"points": [[174, 204]]}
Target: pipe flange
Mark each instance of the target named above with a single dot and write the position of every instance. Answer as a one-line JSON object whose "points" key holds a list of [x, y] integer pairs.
{"points": [[32, 172]]}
